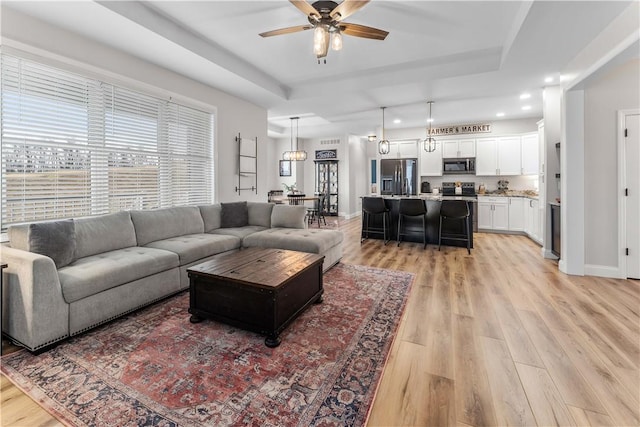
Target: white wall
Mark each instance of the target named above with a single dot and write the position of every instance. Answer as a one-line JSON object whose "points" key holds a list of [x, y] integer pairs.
{"points": [[358, 167], [617, 90], [67, 50]]}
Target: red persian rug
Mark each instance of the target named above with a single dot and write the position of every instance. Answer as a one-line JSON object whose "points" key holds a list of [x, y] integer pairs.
{"points": [[155, 368]]}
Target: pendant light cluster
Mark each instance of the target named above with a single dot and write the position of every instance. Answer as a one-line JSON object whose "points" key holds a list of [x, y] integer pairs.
{"points": [[294, 155], [383, 145], [429, 143]]}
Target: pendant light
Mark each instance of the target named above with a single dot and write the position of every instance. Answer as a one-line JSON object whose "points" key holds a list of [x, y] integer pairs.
{"points": [[429, 143], [383, 145], [294, 155]]}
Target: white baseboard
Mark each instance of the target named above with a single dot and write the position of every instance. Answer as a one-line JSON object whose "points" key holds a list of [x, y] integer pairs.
{"points": [[603, 271], [351, 215], [546, 253]]}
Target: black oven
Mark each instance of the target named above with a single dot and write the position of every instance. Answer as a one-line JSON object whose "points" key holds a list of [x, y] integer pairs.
{"points": [[459, 166]]}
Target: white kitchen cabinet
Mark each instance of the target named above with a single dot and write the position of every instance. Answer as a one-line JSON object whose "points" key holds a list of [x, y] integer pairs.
{"points": [[458, 148], [486, 158], [516, 213], [493, 213], [533, 223], [509, 156], [498, 156], [431, 163], [530, 154], [401, 149]]}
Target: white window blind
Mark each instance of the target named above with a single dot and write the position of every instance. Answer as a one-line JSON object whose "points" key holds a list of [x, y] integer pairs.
{"points": [[74, 146]]}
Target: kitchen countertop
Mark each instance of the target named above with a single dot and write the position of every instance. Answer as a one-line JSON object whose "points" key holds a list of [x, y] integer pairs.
{"points": [[529, 194]]}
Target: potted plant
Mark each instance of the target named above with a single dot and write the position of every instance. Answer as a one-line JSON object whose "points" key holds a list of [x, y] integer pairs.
{"points": [[291, 189]]}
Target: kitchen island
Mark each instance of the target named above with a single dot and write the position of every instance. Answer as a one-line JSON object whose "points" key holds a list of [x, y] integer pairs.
{"points": [[413, 226]]}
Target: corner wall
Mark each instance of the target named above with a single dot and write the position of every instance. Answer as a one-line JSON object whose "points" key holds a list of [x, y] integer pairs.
{"points": [[617, 90]]}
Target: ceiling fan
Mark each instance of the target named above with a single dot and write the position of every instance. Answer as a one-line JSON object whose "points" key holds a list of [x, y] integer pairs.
{"points": [[325, 17]]}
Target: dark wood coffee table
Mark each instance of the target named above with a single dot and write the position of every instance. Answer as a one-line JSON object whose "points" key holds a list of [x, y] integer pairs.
{"points": [[261, 290]]}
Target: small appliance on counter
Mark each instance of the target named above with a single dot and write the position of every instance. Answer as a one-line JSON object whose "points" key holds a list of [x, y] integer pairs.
{"points": [[466, 189], [425, 187], [481, 188], [503, 185]]}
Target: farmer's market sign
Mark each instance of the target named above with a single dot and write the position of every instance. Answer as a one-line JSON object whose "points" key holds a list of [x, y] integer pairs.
{"points": [[460, 129]]}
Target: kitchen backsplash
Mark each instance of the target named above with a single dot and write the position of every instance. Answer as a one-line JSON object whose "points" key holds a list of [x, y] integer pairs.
{"points": [[490, 182]]}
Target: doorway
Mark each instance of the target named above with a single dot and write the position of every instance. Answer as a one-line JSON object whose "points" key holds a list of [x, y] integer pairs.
{"points": [[629, 155]]}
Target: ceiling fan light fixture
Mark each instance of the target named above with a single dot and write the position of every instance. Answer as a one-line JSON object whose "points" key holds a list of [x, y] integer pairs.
{"points": [[318, 34], [321, 47], [429, 143], [336, 40]]}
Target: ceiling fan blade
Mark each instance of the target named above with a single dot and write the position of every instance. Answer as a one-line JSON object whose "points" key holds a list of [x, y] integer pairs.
{"points": [[347, 8], [287, 30], [363, 31], [305, 8]]}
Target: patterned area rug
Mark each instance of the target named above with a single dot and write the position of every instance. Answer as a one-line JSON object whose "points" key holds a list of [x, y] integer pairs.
{"points": [[154, 368]]}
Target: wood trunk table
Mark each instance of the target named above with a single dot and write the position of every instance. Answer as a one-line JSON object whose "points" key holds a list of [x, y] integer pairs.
{"points": [[261, 290]]}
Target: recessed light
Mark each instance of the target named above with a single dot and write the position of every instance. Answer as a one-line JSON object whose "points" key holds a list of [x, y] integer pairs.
{"points": [[525, 96], [526, 107], [548, 79], [396, 121], [500, 114], [430, 120]]}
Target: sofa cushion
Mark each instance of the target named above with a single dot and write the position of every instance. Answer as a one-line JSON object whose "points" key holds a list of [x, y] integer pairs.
{"points": [[55, 239], [104, 233], [234, 215], [260, 213], [240, 232], [192, 247], [211, 216], [159, 224], [289, 216], [96, 273], [303, 240]]}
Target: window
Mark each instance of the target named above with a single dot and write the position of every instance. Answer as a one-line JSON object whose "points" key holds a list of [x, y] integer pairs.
{"points": [[73, 146]]}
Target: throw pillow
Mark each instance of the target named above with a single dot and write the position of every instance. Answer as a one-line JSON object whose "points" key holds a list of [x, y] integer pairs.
{"points": [[234, 215], [260, 213], [55, 239], [289, 216]]}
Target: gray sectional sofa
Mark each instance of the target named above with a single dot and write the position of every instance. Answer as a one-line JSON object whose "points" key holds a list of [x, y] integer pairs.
{"points": [[65, 277]]}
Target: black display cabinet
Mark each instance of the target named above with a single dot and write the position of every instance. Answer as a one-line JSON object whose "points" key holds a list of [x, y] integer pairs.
{"points": [[327, 185]]}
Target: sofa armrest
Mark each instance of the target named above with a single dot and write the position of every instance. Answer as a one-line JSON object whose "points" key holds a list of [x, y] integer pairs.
{"points": [[34, 311]]}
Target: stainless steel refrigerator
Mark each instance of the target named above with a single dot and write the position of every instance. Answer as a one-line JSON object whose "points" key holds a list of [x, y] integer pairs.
{"points": [[399, 177]]}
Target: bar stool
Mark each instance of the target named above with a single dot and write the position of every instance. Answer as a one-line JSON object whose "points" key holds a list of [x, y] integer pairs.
{"points": [[374, 206], [455, 210], [412, 208]]}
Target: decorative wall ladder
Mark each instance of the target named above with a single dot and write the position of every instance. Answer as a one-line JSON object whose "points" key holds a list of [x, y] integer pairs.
{"points": [[247, 162]]}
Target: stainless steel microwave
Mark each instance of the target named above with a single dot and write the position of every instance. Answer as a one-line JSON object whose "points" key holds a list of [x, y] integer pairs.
{"points": [[459, 166]]}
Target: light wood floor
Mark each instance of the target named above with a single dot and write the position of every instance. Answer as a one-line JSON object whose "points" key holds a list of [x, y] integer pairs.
{"points": [[498, 337]]}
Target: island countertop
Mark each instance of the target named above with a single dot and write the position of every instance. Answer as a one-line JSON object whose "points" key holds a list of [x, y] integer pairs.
{"points": [[426, 196]]}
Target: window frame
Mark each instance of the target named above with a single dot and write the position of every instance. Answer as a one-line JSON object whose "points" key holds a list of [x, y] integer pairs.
{"points": [[97, 190]]}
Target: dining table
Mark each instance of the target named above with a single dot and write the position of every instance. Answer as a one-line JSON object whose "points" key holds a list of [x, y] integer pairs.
{"points": [[286, 199]]}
